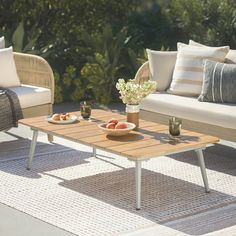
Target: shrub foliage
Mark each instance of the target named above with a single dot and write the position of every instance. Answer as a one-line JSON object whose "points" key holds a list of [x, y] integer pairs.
{"points": [[90, 44]]}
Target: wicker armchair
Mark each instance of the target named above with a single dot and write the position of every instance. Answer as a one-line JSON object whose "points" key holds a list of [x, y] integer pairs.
{"points": [[34, 70]]}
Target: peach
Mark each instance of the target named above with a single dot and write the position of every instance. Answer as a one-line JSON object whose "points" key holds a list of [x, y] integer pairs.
{"points": [[110, 126], [113, 120], [121, 125]]}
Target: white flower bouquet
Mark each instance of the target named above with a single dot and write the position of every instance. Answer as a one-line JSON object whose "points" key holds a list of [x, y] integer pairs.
{"points": [[132, 93]]}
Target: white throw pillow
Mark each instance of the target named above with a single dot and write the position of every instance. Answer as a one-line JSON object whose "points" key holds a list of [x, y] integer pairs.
{"points": [[2, 42], [230, 57], [8, 74], [188, 73], [161, 65]]}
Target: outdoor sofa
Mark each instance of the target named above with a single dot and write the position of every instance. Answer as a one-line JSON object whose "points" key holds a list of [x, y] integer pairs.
{"points": [[218, 119]]}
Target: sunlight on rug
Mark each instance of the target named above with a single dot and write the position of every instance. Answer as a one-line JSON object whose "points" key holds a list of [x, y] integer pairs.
{"points": [[84, 195]]}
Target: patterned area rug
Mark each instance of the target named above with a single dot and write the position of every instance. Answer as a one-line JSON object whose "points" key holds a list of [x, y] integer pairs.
{"points": [[70, 189]]}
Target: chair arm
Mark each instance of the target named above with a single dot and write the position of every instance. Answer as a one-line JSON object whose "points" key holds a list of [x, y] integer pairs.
{"points": [[143, 73], [34, 70]]}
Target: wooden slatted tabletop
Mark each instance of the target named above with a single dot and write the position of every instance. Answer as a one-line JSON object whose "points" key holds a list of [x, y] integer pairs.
{"points": [[150, 140]]}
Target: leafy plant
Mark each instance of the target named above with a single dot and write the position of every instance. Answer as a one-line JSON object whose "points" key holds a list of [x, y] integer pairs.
{"points": [[103, 66], [26, 41]]}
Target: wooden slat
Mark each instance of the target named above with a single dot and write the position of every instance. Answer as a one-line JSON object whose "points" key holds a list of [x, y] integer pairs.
{"points": [[171, 147], [161, 137]]}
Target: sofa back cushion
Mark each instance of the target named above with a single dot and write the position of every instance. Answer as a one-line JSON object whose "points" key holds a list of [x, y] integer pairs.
{"points": [[188, 72], [230, 57], [219, 83], [161, 65], [2, 42], [8, 77]]}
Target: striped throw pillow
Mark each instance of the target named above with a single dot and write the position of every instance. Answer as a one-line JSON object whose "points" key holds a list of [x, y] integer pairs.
{"points": [[230, 57], [219, 83], [188, 73]]}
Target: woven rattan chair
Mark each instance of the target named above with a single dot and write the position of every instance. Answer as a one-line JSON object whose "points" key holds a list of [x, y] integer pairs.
{"points": [[34, 70]]}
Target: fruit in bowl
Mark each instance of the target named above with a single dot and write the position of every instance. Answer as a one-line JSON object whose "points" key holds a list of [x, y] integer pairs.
{"points": [[116, 128]]}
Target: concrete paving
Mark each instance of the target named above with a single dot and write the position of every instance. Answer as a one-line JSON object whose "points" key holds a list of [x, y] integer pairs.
{"points": [[16, 223]]}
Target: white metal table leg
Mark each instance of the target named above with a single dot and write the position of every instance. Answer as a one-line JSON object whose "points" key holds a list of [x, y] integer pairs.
{"points": [[203, 169], [94, 152], [32, 149], [138, 169]]}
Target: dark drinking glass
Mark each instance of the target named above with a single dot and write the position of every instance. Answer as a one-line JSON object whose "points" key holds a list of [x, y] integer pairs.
{"points": [[175, 126], [85, 109]]}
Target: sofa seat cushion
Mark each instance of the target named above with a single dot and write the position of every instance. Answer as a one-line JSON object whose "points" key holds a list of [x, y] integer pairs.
{"points": [[30, 96], [191, 109]]}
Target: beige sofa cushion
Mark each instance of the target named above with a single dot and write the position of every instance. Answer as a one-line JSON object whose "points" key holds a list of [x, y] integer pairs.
{"points": [[161, 65], [188, 72], [30, 96], [230, 57], [190, 108]]}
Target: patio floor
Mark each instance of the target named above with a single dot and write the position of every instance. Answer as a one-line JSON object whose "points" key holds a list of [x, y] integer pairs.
{"points": [[14, 222]]}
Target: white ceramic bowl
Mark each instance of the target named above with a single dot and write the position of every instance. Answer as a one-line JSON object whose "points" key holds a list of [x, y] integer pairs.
{"points": [[117, 132]]}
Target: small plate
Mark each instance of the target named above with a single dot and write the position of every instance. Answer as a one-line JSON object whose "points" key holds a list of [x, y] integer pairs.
{"points": [[72, 119], [117, 132]]}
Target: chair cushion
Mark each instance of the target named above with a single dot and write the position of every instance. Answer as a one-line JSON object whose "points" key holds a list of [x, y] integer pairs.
{"points": [[161, 65], [8, 74], [190, 108], [30, 96], [188, 72], [219, 83], [2, 42], [230, 57]]}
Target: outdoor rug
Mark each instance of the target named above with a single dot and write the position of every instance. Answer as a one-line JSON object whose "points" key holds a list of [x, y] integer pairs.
{"points": [[70, 189]]}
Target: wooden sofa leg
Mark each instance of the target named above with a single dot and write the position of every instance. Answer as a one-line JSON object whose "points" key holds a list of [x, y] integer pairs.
{"points": [[50, 138]]}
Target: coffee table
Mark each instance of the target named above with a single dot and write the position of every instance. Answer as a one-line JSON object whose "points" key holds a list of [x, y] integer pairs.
{"points": [[148, 141]]}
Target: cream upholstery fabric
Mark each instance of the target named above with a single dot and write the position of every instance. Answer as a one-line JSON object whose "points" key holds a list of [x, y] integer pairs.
{"points": [[8, 74], [190, 108], [161, 65], [30, 96], [230, 57], [2, 42], [188, 72]]}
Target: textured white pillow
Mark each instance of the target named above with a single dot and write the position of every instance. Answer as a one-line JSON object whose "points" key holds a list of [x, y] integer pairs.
{"points": [[230, 57], [2, 42], [188, 73], [8, 74], [161, 65]]}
